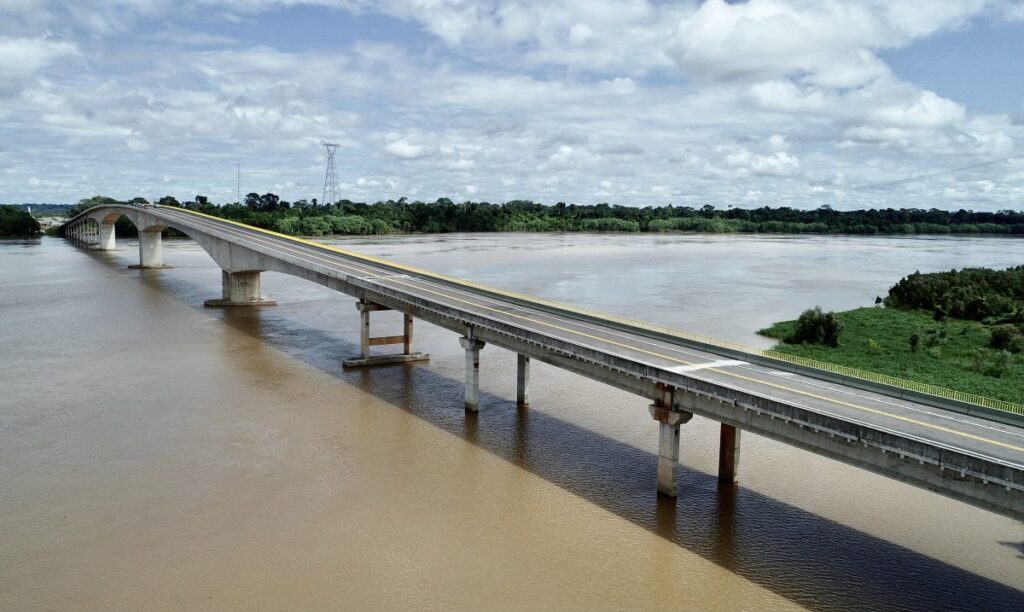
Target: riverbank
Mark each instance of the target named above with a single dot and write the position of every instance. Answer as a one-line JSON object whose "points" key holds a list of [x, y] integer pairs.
{"points": [[953, 354]]}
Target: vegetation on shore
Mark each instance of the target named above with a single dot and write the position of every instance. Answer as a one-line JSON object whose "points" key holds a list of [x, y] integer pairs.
{"points": [[17, 222], [962, 330], [311, 218]]}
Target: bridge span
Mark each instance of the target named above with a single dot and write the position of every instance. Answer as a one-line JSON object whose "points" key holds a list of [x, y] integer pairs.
{"points": [[950, 447]]}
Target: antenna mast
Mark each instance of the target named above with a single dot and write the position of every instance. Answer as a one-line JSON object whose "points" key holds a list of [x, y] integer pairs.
{"points": [[331, 179]]}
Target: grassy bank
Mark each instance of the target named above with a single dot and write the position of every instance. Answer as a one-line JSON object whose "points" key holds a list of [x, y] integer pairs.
{"points": [[954, 353]]}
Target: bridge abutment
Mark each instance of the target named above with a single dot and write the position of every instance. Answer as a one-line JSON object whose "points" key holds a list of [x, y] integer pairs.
{"points": [[366, 341], [472, 346], [240, 289], [729, 454], [522, 380], [150, 250]]}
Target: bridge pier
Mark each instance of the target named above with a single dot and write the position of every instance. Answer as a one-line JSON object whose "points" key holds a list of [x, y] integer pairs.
{"points": [[240, 289], [669, 421], [108, 240], [472, 346], [366, 341], [522, 380], [150, 250], [728, 453]]}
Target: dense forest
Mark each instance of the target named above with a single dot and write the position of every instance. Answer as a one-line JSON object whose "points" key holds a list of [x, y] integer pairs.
{"points": [[16, 222], [973, 294], [311, 218]]}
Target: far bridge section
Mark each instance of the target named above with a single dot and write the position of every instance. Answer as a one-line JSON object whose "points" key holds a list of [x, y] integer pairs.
{"points": [[944, 446]]}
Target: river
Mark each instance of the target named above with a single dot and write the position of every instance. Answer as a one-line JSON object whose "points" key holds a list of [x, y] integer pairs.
{"points": [[158, 455]]}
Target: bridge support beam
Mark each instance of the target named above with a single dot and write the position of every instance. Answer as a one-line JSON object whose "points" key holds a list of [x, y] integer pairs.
{"points": [[150, 251], [108, 239], [240, 289], [728, 454], [472, 346], [669, 421], [522, 380], [366, 341]]}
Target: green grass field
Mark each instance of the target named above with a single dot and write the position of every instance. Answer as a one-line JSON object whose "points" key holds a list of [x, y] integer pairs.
{"points": [[951, 363]]}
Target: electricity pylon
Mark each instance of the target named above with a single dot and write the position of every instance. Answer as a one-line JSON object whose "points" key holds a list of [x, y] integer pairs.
{"points": [[331, 179]]}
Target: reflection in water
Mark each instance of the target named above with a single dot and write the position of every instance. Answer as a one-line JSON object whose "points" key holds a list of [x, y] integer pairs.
{"points": [[813, 561], [330, 440]]}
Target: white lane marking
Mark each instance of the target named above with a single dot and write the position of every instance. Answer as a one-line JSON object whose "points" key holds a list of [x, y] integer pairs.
{"points": [[663, 346], [723, 363]]}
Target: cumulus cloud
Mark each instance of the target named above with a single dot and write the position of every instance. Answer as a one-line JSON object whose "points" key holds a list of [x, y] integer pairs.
{"points": [[630, 102], [21, 58], [404, 149]]}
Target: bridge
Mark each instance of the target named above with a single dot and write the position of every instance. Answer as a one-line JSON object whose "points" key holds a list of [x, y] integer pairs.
{"points": [[940, 442]]}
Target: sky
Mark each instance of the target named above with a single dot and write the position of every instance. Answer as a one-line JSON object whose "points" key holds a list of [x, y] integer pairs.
{"points": [[795, 103]]}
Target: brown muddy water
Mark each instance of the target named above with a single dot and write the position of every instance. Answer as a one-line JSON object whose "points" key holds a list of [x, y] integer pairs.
{"points": [[156, 455]]}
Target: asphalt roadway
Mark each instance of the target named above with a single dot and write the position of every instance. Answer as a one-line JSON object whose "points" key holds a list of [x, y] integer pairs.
{"points": [[968, 434]]}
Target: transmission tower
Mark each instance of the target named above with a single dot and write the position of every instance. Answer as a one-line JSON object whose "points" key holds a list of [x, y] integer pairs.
{"points": [[331, 179]]}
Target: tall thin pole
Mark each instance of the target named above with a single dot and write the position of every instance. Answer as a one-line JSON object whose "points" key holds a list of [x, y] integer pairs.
{"points": [[331, 178], [238, 184]]}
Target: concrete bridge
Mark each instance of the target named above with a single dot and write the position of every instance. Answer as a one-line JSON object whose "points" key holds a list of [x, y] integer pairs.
{"points": [[965, 452]]}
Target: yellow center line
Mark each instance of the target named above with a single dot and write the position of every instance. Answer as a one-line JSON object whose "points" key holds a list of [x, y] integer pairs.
{"points": [[627, 346]]}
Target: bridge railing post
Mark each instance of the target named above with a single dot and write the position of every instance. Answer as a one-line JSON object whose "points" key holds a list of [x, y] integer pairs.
{"points": [[366, 340]]}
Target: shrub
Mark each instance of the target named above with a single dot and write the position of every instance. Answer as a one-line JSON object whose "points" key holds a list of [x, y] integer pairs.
{"points": [[915, 342], [816, 327], [1002, 336], [1001, 364], [874, 348]]}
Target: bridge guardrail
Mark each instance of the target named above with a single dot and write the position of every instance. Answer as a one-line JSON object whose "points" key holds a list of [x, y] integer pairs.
{"points": [[960, 401]]}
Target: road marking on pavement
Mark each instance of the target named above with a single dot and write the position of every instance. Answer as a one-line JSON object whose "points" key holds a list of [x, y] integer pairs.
{"points": [[722, 363], [394, 279]]}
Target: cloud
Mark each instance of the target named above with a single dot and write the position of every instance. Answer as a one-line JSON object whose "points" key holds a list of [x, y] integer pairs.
{"points": [[627, 102], [826, 43], [22, 58], [404, 149]]}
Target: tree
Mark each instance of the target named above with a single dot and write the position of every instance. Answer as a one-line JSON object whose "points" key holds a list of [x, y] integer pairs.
{"points": [[168, 201], [269, 202], [17, 222], [138, 200], [816, 327]]}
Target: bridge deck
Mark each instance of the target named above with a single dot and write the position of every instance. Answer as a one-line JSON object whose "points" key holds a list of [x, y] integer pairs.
{"points": [[968, 434], [920, 439]]}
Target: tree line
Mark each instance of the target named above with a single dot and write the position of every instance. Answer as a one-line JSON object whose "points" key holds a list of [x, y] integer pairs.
{"points": [[313, 218], [17, 222], [973, 294]]}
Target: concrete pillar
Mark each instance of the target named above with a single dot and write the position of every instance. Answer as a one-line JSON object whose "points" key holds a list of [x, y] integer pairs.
{"points": [[472, 346], [364, 329], [522, 380], [366, 340], [240, 289], [668, 446], [150, 251], [407, 330], [108, 241], [728, 454]]}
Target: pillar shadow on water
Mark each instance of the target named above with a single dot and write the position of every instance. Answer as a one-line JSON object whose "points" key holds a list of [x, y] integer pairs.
{"points": [[816, 562]]}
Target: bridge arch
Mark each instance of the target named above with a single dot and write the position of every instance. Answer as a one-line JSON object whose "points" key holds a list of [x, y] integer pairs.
{"points": [[241, 267]]}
